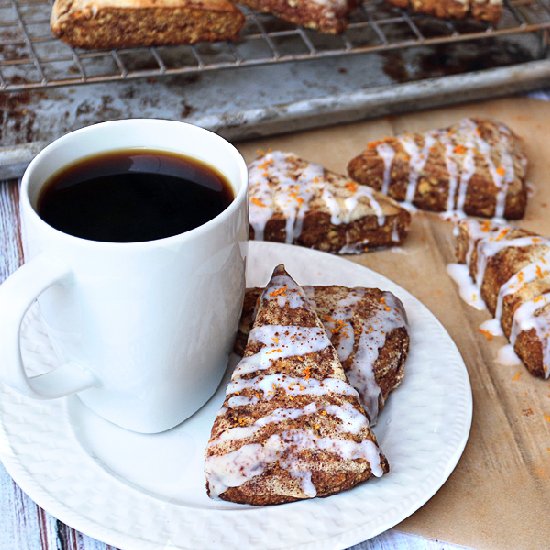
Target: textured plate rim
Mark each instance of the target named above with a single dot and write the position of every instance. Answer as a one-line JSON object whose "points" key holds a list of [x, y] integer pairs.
{"points": [[16, 466]]}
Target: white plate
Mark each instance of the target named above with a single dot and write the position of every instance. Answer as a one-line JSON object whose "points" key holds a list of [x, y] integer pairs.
{"points": [[147, 491]]}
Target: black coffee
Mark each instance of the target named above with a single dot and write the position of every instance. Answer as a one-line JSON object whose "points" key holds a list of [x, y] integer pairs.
{"points": [[133, 195]]}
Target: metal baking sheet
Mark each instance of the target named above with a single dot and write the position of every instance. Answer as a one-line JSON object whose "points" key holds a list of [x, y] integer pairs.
{"points": [[257, 101], [32, 58]]}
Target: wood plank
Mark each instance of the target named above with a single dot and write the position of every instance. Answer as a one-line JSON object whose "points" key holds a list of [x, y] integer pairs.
{"points": [[23, 524]]}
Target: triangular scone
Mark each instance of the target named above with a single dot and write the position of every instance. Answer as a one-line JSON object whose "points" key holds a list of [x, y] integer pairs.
{"points": [[329, 16], [295, 201], [126, 23], [476, 167], [482, 10], [510, 268], [367, 327], [291, 426]]}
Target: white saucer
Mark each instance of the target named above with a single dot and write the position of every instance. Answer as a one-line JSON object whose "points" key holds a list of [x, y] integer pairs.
{"points": [[147, 491]]}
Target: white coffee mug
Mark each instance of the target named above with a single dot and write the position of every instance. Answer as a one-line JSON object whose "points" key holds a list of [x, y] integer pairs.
{"points": [[142, 330]]}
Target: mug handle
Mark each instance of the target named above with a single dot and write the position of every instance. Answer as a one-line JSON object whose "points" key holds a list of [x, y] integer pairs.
{"points": [[17, 294]]}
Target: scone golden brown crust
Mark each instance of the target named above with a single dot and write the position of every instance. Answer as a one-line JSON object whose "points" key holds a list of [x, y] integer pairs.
{"points": [[367, 327], [510, 268], [291, 427], [98, 24], [482, 10], [475, 167], [328, 16], [295, 201]]}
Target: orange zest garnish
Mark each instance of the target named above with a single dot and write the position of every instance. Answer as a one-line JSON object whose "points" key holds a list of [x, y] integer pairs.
{"points": [[539, 272], [460, 149], [516, 376], [339, 326], [538, 299], [485, 226], [501, 171], [307, 373], [264, 165], [276, 350], [488, 334], [351, 186], [502, 234], [279, 292], [300, 200], [275, 339], [257, 202]]}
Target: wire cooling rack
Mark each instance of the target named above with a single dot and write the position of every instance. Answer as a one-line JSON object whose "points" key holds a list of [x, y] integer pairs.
{"points": [[31, 58]]}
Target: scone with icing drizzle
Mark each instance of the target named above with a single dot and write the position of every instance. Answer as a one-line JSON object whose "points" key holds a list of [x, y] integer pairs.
{"points": [[482, 10], [368, 329], [328, 16], [295, 201], [476, 167], [510, 270], [291, 426]]}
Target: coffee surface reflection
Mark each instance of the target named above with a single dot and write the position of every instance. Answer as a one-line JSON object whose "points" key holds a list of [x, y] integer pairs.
{"points": [[133, 195]]}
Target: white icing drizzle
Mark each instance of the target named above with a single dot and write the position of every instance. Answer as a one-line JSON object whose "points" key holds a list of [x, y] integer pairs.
{"points": [[283, 289], [339, 324], [268, 384], [491, 326], [353, 421], [507, 356], [373, 336], [277, 185], [354, 248], [467, 290], [281, 342], [235, 468], [386, 153], [418, 158], [241, 401], [453, 171]]}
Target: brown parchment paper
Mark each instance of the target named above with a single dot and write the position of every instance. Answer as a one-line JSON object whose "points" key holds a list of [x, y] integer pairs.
{"points": [[499, 495]]}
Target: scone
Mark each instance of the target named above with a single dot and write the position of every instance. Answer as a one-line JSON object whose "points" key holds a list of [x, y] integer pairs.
{"points": [[98, 24], [482, 10], [328, 16], [295, 201], [368, 329], [510, 268], [475, 167], [291, 427]]}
